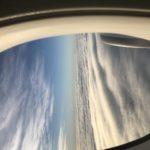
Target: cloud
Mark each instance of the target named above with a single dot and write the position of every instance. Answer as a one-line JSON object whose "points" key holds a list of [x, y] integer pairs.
{"points": [[27, 98], [62, 141], [115, 82]]}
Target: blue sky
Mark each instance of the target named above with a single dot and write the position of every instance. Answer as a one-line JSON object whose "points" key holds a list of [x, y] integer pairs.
{"points": [[38, 76]]}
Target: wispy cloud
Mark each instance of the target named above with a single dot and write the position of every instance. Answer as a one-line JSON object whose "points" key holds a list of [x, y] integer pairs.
{"points": [[62, 142], [27, 101]]}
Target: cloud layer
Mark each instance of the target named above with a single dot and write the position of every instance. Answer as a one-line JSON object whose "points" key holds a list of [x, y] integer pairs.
{"points": [[26, 101], [114, 85]]}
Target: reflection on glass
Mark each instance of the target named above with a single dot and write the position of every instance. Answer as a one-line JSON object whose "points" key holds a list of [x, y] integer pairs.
{"points": [[73, 92]]}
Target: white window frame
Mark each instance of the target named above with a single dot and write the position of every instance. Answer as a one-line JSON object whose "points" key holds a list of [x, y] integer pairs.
{"points": [[13, 35]]}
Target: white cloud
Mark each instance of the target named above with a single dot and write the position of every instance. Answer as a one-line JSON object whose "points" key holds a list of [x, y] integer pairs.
{"points": [[62, 142], [117, 91], [28, 101]]}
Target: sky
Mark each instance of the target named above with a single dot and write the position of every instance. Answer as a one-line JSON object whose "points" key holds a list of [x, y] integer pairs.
{"points": [[73, 92], [36, 94]]}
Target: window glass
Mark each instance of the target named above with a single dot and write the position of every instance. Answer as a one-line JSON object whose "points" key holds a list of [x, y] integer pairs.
{"points": [[82, 91]]}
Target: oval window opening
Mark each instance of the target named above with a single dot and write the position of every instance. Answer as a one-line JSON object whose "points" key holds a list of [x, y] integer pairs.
{"points": [[80, 91]]}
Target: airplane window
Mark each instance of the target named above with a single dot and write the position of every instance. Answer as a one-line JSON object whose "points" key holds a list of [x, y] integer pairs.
{"points": [[81, 91]]}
